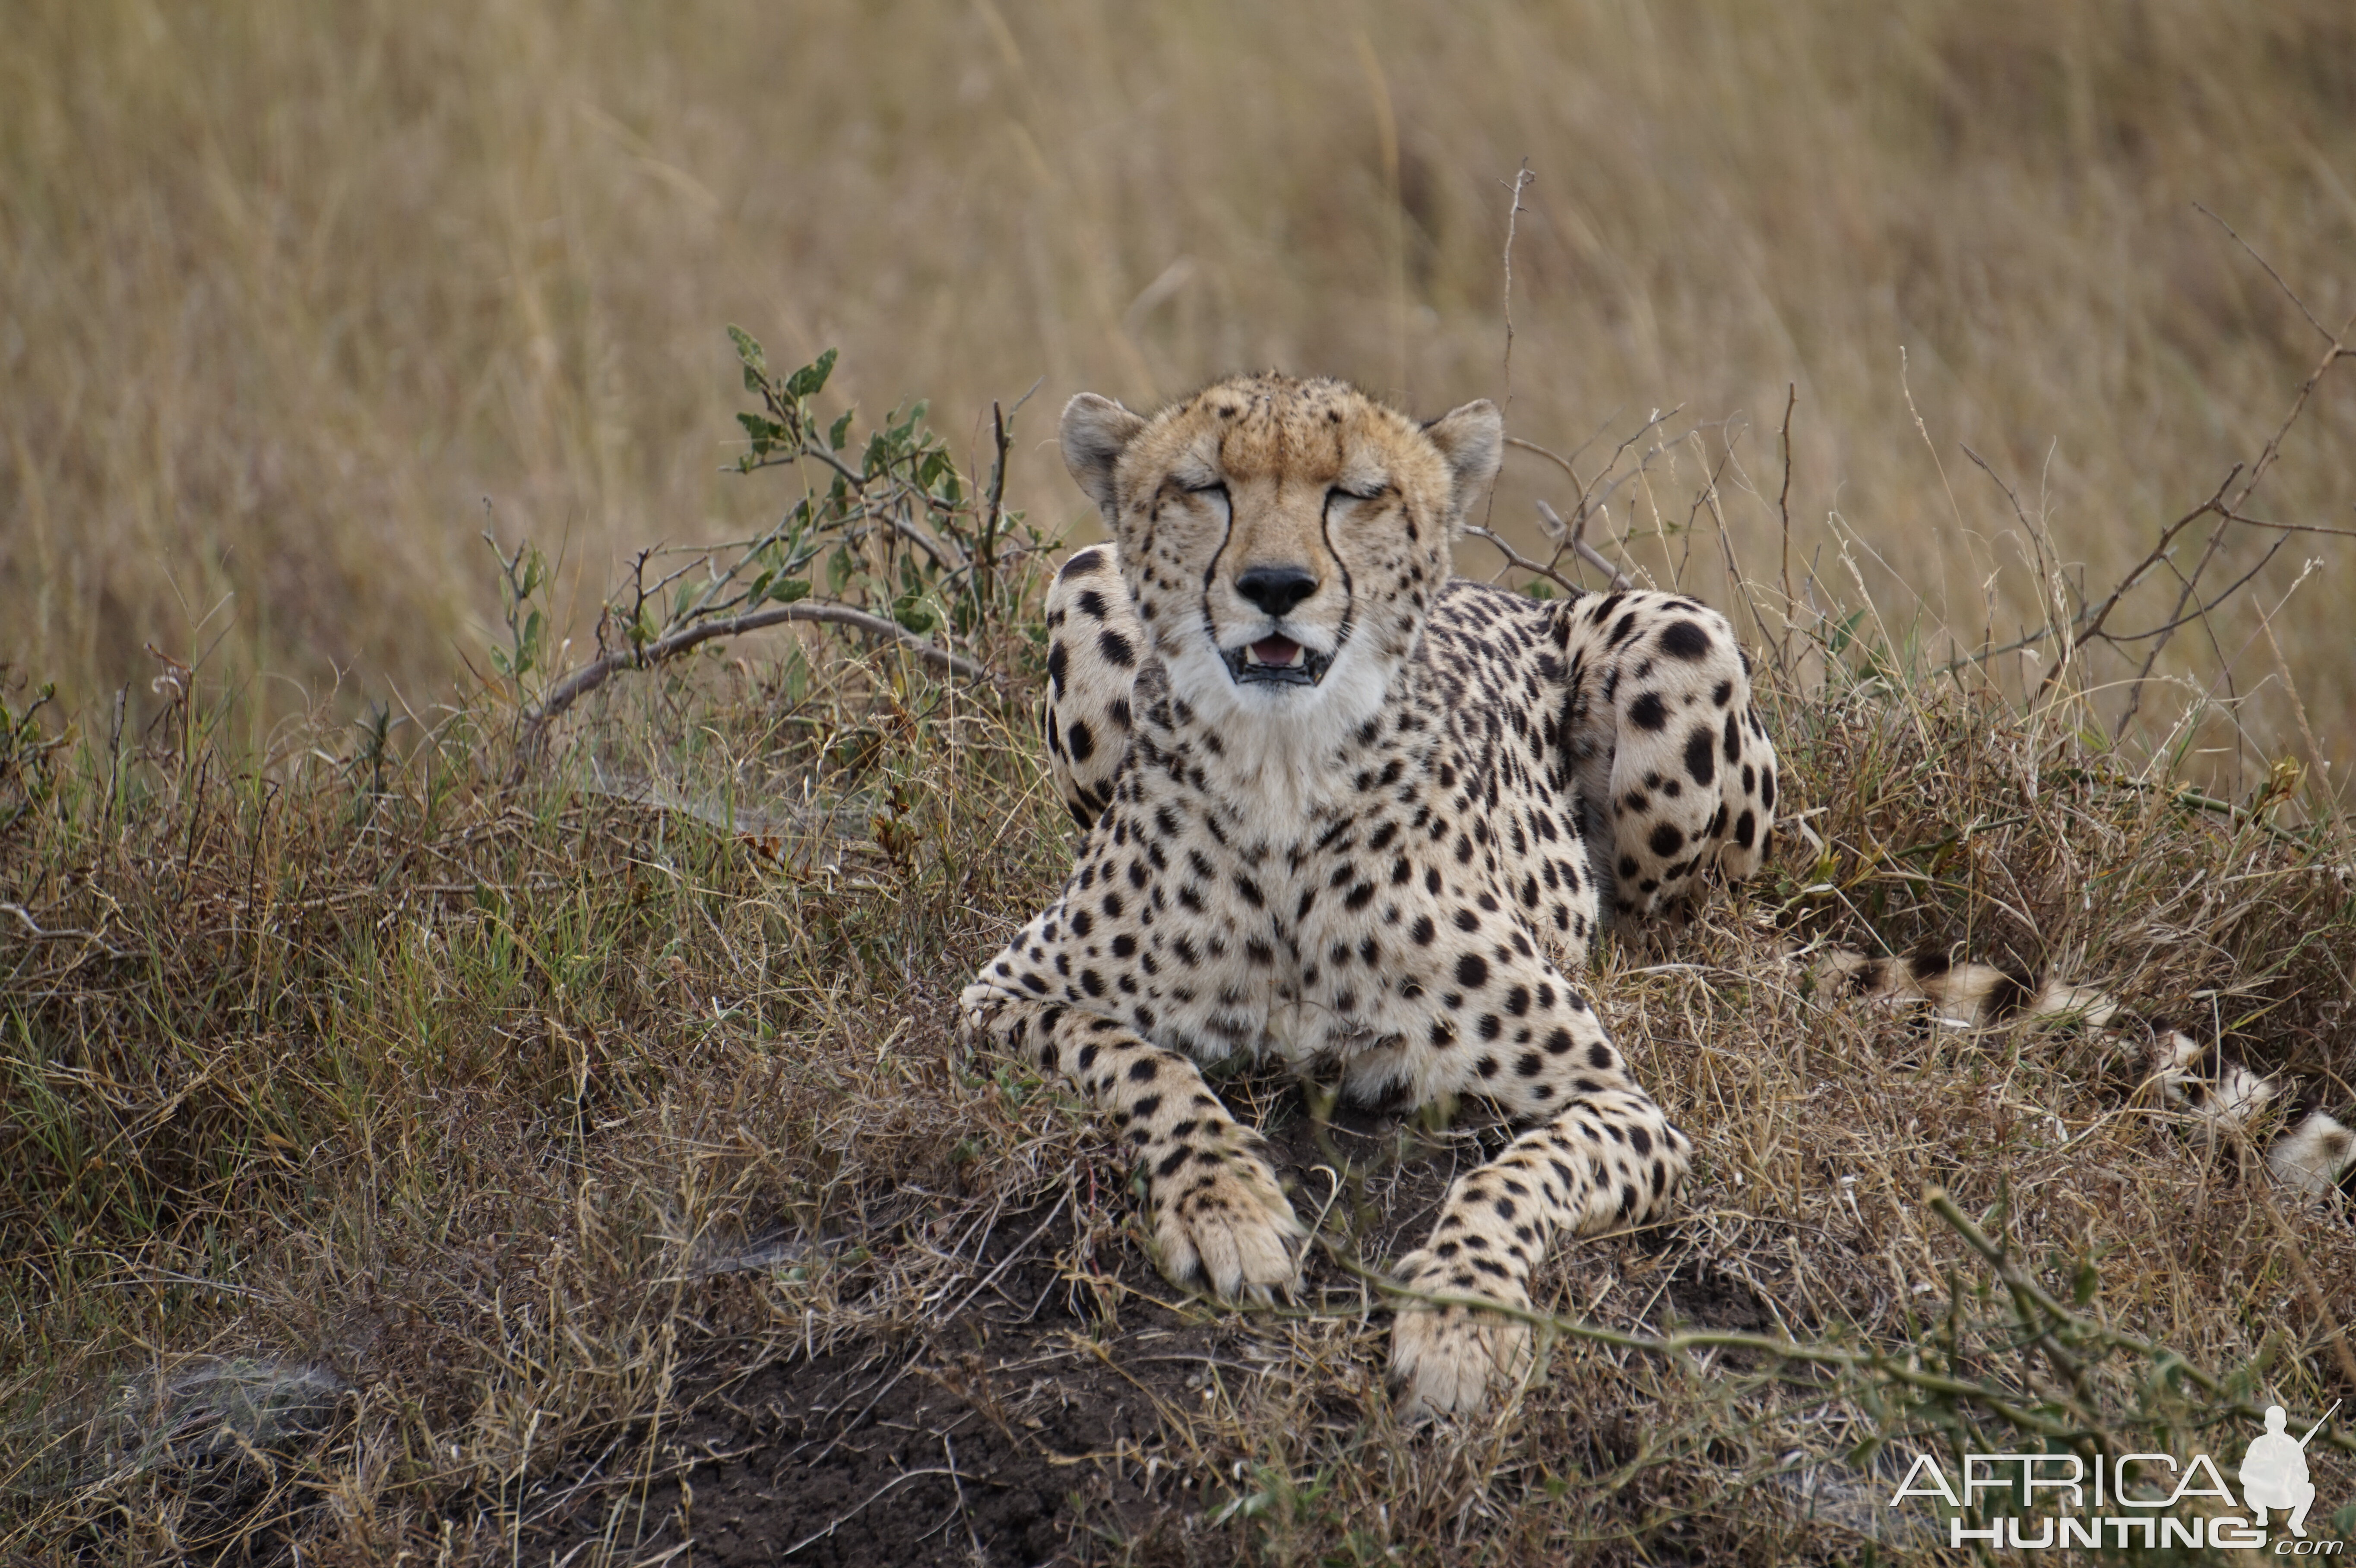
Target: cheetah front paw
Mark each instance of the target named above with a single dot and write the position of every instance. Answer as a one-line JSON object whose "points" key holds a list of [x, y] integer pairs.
{"points": [[1223, 1216], [1446, 1359]]}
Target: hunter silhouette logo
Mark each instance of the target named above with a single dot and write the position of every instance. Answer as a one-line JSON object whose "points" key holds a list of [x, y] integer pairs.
{"points": [[2137, 1500], [2274, 1472]]}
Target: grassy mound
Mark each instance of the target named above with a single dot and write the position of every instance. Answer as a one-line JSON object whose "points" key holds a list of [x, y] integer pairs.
{"points": [[533, 1131]]}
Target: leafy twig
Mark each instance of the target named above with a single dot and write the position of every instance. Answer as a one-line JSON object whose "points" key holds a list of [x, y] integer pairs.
{"points": [[908, 548]]}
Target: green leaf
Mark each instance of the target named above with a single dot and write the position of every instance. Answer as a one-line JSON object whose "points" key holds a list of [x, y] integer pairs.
{"points": [[810, 379], [839, 432], [748, 350], [789, 590], [912, 613]]}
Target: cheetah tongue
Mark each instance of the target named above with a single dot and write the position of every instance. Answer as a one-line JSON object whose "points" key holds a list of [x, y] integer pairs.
{"points": [[1275, 651]]}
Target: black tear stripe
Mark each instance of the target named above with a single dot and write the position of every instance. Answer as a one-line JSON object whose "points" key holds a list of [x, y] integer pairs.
{"points": [[1349, 587], [1211, 575]]}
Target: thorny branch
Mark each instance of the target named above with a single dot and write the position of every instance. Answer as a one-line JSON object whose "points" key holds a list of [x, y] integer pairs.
{"points": [[1548, 569], [1573, 536], [2226, 504], [1594, 499]]}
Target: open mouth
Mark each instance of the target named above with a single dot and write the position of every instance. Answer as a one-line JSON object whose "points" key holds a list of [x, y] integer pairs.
{"points": [[1276, 661]]}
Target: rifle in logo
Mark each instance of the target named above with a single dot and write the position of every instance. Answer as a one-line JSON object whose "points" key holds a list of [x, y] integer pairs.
{"points": [[2274, 1472]]}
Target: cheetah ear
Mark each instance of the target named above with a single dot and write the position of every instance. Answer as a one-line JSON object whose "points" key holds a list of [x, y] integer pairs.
{"points": [[1473, 439], [1095, 429]]}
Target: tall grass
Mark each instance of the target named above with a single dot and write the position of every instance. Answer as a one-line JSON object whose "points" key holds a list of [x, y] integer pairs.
{"points": [[290, 296]]}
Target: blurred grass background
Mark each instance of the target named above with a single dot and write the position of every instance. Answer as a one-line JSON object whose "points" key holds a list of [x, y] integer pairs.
{"points": [[290, 293]]}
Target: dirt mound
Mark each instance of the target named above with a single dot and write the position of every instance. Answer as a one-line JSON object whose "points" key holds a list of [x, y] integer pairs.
{"points": [[1025, 1426]]}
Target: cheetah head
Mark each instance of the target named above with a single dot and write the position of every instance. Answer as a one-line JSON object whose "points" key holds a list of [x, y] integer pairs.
{"points": [[1280, 538]]}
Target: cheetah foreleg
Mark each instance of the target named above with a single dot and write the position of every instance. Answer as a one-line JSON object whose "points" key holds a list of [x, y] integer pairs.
{"points": [[1219, 1214], [1612, 1158]]}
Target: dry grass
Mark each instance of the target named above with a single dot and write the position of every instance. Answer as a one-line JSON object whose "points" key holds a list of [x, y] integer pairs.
{"points": [[410, 1153], [286, 293]]}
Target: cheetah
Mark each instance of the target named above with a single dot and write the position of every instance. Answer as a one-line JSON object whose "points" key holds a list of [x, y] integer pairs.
{"points": [[1346, 810]]}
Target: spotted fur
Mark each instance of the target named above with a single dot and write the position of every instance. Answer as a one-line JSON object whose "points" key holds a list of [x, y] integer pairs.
{"points": [[1345, 810], [2199, 1079]]}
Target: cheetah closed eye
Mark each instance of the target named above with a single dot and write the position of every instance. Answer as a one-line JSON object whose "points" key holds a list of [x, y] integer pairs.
{"points": [[1345, 809]]}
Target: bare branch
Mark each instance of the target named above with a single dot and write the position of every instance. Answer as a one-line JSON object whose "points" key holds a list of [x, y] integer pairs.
{"points": [[2338, 350], [2294, 527], [1783, 501], [1586, 553], [2235, 587], [924, 542], [2094, 619], [1557, 458], [2288, 292], [1512, 214], [592, 676]]}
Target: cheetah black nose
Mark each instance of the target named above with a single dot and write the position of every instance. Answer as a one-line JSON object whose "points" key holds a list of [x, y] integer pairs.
{"points": [[1276, 589]]}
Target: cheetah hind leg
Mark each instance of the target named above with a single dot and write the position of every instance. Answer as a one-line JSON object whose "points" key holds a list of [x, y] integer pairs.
{"points": [[1675, 774]]}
